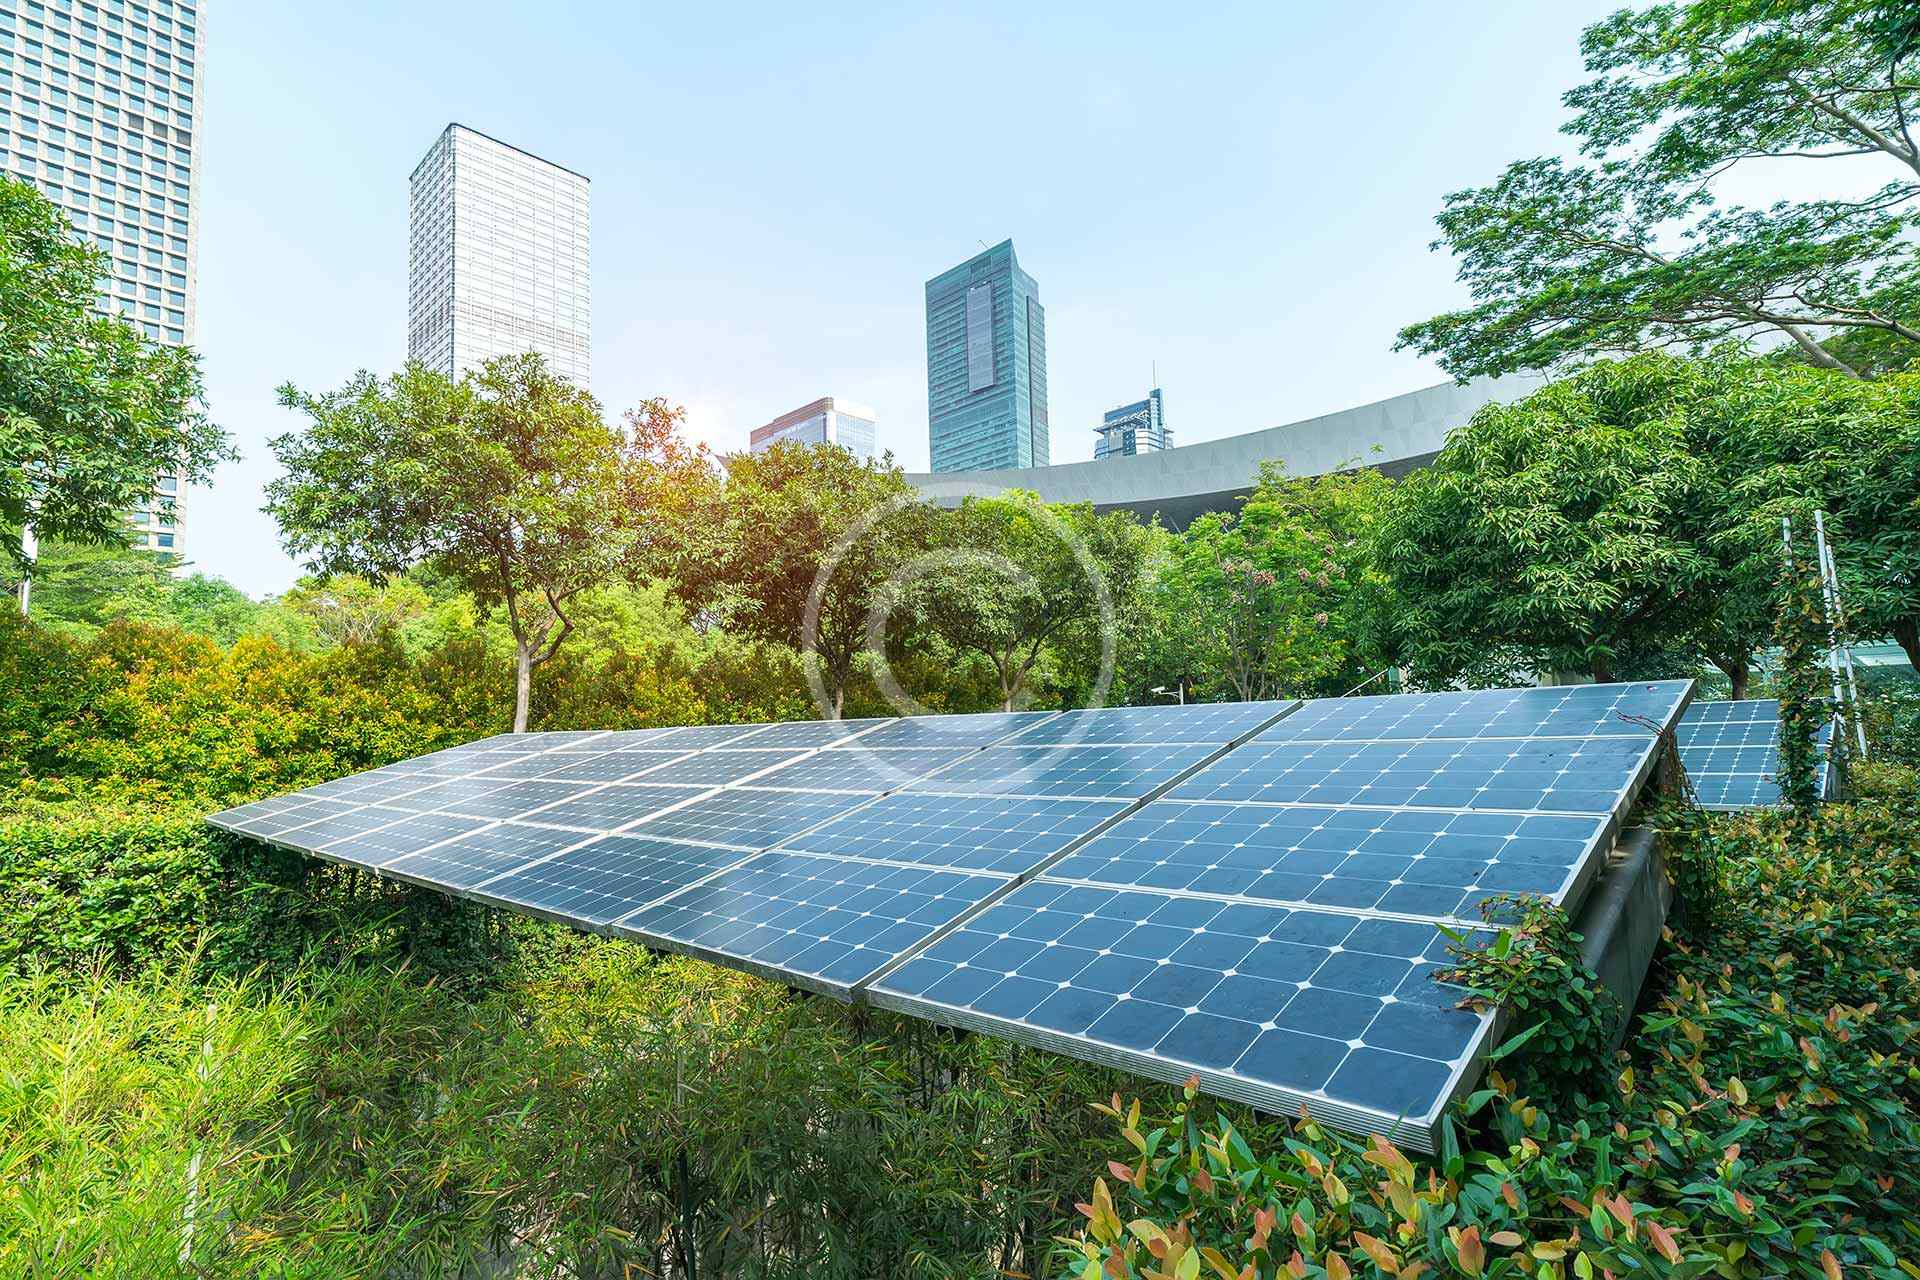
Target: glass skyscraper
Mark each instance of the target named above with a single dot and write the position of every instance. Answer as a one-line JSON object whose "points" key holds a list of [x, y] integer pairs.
{"points": [[1140, 427], [986, 366], [100, 109], [828, 420], [497, 260]]}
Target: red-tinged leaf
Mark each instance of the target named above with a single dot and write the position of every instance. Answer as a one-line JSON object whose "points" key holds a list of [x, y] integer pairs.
{"points": [[1086, 1210], [1663, 1241], [1473, 1254], [1511, 1196], [1296, 1265], [1120, 1171], [1830, 1264], [1337, 1268], [1379, 1250], [1203, 1180]]}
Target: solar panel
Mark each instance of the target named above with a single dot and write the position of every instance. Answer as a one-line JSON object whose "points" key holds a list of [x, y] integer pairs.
{"points": [[1332, 1009], [466, 860], [596, 883], [749, 817], [856, 767], [812, 733], [977, 730], [1731, 752], [614, 805], [1122, 772], [1574, 775], [1433, 864], [1582, 710], [1005, 834], [1218, 723], [1247, 892], [710, 768], [818, 922], [1271, 923]]}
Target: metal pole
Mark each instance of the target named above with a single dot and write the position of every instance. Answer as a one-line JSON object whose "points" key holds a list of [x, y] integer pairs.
{"points": [[29, 546], [1830, 575]]}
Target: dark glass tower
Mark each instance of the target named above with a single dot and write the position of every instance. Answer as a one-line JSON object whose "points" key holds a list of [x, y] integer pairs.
{"points": [[986, 366]]}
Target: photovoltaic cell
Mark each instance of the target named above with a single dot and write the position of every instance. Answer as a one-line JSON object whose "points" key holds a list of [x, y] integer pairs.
{"points": [[513, 800], [611, 766], [855, 767], [613, 806], [1573, 775], [1731, 752], [819, 922], [811, 733], [1124, 772], [703, 735], [1586, 710], [1216, 723], [748, 817], [466, 861], [1327, 1007], [953, 731], [597, 883], [711, 768], [382, 845], [1436, 864], [430, 793], [1003, 834]]}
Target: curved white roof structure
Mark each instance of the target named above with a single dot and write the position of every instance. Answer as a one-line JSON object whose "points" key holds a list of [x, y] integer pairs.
{"points": [[1396, 435]]}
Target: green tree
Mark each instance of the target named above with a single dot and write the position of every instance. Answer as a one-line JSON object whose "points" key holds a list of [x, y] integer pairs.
{"points": [[797, 548], [1281, 596], [508, 481], [92, 415], [1629, 248], [80, 588], [1015, 576], [1550, 533]]}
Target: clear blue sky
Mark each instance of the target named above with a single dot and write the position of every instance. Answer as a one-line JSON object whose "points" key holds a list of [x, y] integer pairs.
{"points": [[1241, 194]]}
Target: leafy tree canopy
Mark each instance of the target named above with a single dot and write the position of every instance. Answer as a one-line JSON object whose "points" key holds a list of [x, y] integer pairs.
{"points": [[798, 548], [508, 482], [91, 413], [1628, 248], [1014, 577], [1629, 516], [1281, 597]]}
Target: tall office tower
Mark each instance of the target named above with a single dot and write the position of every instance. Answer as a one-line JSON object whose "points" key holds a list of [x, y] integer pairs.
{"points": [[828, 420], [100, 109], [497, 260], [1140, 427], [986, 366]]}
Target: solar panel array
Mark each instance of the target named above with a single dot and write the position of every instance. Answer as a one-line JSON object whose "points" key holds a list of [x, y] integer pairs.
{"points": [[1731, 752], [1248, 892]]}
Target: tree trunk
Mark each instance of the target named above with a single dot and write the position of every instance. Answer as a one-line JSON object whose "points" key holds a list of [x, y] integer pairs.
{"points": [[1602, 671], [522, 684], [1735, 669], [1907, 633]]}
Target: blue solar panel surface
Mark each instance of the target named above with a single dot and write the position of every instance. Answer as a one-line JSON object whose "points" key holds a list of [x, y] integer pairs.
{"points": [[1246, 891], [1731, 752], [1123, 773], [826, 922], [1003, 834]]}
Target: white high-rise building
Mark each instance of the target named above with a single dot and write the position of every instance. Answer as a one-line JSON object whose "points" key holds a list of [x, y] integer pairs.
{"points": [[498, 258], [100, 109]]}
